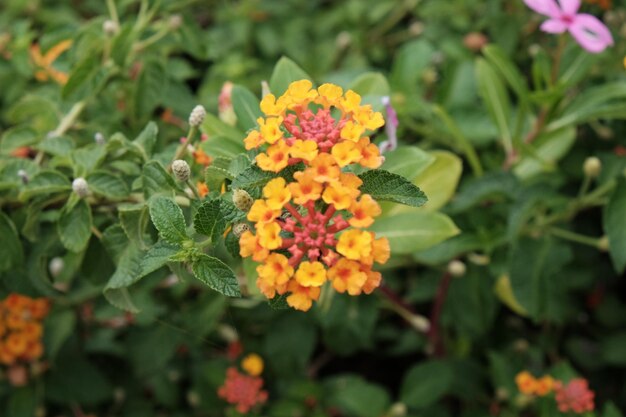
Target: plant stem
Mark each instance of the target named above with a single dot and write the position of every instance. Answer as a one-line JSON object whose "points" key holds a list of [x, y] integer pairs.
{"points": [[574, 237], [64, 125], [434, 334], [113, 11], [180, 152], [417, 321], [193, 190]]}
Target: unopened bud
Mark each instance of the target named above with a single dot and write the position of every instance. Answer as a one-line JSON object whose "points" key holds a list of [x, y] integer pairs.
{"points": [[110, 27], [457, 268], [521, 345], [181, 170], [193, 399], [344, 39], [523, 400], [228, 333], [119, 395], [242, 200], [502, 394], [398, 410], [534, 49], [175, 21], [197, 115], [416, 28], [40, 411], [479, 259], [603, 243], [56, 266], [429, 76], [475, 41], [240, 228], [99, 138], [23, 176], [592, 167], [80, 187]]}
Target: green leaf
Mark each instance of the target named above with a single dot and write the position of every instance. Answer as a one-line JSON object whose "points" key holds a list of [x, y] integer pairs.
{"points": [[410, 62], [58, 146], [215, 127], [87, 159], [11, 254], [84, 72], [385, 186], [147, 139], [285, 72], [45, 182], [614, 349], [414, 231], [58, 328], [548, 149], [65, 382], [209, 220], [425, 384], [150, 88], [214, 177], [499, 59], [128, 272], [614, 224], [611, 410], [357, 397], [407, 161], [16, 137], [217, 275], [246, 107], [133, 219], [495, 97], [440, 179], [157, 256], [279, 302], [156, 180], [74, 226], [22, 402], [254, 176], [108, 185], [168, 218], [371, 86], [493, 186]]}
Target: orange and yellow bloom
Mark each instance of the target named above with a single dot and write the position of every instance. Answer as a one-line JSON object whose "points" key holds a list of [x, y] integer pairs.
{"points": [[21, 328]]}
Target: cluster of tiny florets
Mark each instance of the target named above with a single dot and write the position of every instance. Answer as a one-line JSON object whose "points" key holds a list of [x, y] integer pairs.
{"points": [[574, 396], [21, 328]]}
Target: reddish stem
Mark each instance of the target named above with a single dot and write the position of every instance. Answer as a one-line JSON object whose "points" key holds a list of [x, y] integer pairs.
{"points": [[434, 333]]}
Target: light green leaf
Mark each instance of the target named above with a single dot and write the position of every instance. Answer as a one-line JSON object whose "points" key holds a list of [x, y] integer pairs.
{"points": [[87, 159], [133, 219], [549, 148], [157, 256], [108, 185], [46, 182], [16, 137], [209, 220], [168, 218], [385, 186], [407, 161], [614, 223], [246, 107], [217, 275], [285, 72], [84, 72], [499, 59], [58, 146], [156, 180], [440, 179], [147, 139], [495, 97], [426, 383], [11, 254], [215, 127], [414, 230], [127, 273], [74, 226]]}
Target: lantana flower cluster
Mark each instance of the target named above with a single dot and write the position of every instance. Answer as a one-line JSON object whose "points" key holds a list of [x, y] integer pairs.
{"points": [[311, 230], [21, 328], [574, 396], [244, 389]]}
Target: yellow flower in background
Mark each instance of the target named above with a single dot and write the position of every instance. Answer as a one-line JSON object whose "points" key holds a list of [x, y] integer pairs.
{"points": [[44, 63], [252, 364]]}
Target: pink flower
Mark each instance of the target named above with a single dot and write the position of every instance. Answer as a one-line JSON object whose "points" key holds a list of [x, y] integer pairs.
{"points": [[563, 15]]}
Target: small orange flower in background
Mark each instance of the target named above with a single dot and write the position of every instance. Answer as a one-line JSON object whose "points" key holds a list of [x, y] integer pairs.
{"points": [[244, 391], [44, 63], [605, 4], [21, 329], [252, 364], [203, 189], [308, 221], [529, 385], [202, 158], [574, 396]]}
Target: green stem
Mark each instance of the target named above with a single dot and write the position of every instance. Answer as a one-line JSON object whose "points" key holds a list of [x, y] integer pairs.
{"points": [[584, 187], [113, 11], [64, 125], [141, 45], [180, 152], [193, 190], [574, 237]]}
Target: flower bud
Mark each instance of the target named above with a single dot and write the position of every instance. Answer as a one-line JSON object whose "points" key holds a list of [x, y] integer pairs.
{"points": [[99, 138], [56, 266], [242, 200], [398, 410], [110, 27], [592, 167], [457, 268], [181, 170], [416, 28], [343, 40], [119, 395], [475, 41], [240, 228], [175, 22], [479, 259], [193, 399], [80, 187], [603, 244], [173, 375], [197, 116], [23, 176]]}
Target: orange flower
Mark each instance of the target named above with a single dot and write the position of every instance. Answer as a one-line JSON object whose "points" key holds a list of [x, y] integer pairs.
{"points": [[346, 153], [364, 211], [355, 244], [306, 189], [544, 385], [311, 274], [269, 235], [253, 140], [203, 189], [304, 149], [249, 246], [202, 158], [260, 212], [44, 62], [324, 168], [276, 193], [346, 275], [526, 383], [276, 158], [252, 364], [301, 297]]}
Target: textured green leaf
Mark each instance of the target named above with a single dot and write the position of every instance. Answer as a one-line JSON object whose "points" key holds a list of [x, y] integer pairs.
{"points": [[614, 222], [217, 275], [279, 302], [16, 137], [88, 158], [254, 176], [157, 256], [385, 186], [150, 87], [357, 397], [426, 383], [11, 254], [168, 218], [128, 272], [74, 226], [214, 177], [209, 220], [46, 182], [84, 72], [414, 231], [156, 180], [285, 72], [108, 185], [134, 219], [147, 139], [246, 107], [407, 161], [58, 146]]}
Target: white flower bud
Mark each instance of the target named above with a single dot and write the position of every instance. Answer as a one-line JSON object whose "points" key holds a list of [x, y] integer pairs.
{"points": [[175, 21], [56, 266], [242, 200], [592, 167], [398, 410], [416, 28], [457, 268], [181, 170], [603, 243], [344, 39], [197, 115], [110, 27], [193, 399], [80, 187], [173, 375], [23, 176], [99, 138], [240, 228]]}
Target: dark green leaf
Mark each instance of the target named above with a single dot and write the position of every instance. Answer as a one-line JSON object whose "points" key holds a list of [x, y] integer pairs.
{"points": [[11, 254], [246, 107], [157, 256], [156, 180], [168, 219], [217, 275], [74, 226], [209, 220], [147, 139], [385, 186], [46, 182], [614, 222], [108, 185], [426, 383]]}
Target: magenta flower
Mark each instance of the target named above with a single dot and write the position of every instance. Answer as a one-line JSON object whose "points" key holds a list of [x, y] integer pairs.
{"points": [[563, 15]]}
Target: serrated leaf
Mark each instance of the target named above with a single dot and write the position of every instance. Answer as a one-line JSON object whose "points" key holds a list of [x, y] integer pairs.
{"points": [[156, 180], [133, 219], [209, 220], [84, 72], [108, 185], [11, 254], [279, 302], [217, 275], [128, 271], [614, 223], [16, 137], [214, 177], [46, 182], [285, 72], [157, 256], [232, 245], [385, 186], [58, 146], [168, 218], [246, 107], [414, 231], [74, 226], [87, 159]]}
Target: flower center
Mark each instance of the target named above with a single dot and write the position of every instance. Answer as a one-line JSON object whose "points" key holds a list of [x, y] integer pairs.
{"points": [[320, 127]]}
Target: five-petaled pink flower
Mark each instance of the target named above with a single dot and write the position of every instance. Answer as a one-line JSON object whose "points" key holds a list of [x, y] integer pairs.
{"points": [[563, 15]]}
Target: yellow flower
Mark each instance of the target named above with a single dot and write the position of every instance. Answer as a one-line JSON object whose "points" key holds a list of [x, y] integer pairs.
{"points": [[277, 193], [249, 246], [260, 212], [370, 154], [304, 149], [355, 244], [347, 276], [305, 189], [253, 140], [352, 131], [271, 107], [364, 211], [270, 129], [269, 235], [346, 153], [526, 383], [301, 298], [311, 274], [351, 102], [329, 95], [276, 158], [324, 168], [252, 364]]}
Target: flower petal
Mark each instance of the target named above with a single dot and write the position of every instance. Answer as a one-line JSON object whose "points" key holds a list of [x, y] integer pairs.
{"points": [[591, 33], [554, 26], [545, 7], [570, 7]]}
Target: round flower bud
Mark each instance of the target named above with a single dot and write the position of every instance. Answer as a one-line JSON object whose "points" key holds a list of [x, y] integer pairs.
{"points": [[193, 399], [80, 187], [398, 410], [197, 115], [181, 170], [240, 228], [99, 138], [119, 395], [23, 176], [474, 41], [110, 27], [603, 243], [344, 39], [457, 268], [592, 167], [56, 266], [175, 21], [416, 28], [242, 200]]}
